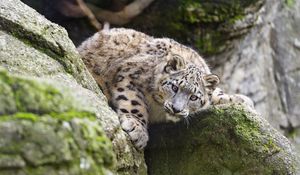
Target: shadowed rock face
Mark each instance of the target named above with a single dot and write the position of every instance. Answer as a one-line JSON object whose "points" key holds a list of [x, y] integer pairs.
{"points": [[208, 26], [222, 140]]}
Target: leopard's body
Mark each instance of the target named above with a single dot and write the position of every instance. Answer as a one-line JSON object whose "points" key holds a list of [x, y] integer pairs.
{"points": [[150, 79]]}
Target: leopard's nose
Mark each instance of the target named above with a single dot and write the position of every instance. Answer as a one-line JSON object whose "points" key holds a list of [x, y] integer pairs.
{"points": [[175, 110]]}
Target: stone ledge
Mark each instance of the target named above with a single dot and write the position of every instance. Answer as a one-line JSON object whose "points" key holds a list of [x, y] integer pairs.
{"points": [[221, 140]]}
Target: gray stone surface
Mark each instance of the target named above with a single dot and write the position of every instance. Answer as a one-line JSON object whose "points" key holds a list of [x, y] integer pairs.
{"points": [[264, 64], [33, 29], [222, 140], [32, 46], [46, 130]]}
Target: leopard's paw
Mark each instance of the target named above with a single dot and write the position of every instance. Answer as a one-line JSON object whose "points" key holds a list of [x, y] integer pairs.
{"points": [[137, 132]]}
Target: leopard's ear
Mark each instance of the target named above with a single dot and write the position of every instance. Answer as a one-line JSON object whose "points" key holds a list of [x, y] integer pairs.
{"points": [[175, 63], [211, 81]]}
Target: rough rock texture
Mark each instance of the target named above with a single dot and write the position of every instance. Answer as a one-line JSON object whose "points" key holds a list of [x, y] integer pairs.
{"points": [[222, 140], [52, 11], [31, 46], [208, 26], [265, 65], [46, 131]]}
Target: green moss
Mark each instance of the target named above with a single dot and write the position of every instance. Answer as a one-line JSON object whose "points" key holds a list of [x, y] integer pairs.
{"points": [[218, 141], [199, 24], [64, 116], [208, 11], [39, 109], [245, 130], [67, 116], [81, 148], [32, 96], [289, 3], [26, 116], [209, 17], [7, 102]]}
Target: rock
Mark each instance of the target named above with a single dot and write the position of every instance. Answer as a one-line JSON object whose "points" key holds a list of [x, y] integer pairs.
{"points": [[47, 131], [208, 26], [32, 46], [265, 65], [44, 38], [221, 140]]}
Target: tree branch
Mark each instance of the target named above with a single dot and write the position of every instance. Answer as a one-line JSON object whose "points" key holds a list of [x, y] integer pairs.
{"points": [[122, 17], [89, 14]]}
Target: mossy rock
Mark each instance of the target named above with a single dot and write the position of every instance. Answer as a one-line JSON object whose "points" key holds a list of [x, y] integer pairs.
{"points": [[222, 140], [46, 38], [47, 144], [24, 95], [208, 26], [46, 76], [44, 131]]}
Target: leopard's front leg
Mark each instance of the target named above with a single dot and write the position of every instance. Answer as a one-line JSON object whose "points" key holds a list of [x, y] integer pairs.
{"points": [[219, 97], [130, 105]]}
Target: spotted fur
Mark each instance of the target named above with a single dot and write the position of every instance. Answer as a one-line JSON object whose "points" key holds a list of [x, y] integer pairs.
{"points": [[150, 79]]}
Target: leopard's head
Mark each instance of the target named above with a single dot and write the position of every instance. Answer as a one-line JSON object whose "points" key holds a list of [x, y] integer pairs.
{"points": [[185, 89]]}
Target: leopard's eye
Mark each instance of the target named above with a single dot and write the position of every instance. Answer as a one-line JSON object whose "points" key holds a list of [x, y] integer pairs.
{"points": [[193, 98], [174, 88]]}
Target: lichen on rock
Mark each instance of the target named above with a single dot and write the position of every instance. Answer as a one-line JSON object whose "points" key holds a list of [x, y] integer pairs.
{"points": [[42, 144], [208, 26], [26, 95], [43, 128], [221, 140], [45, 79]]}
